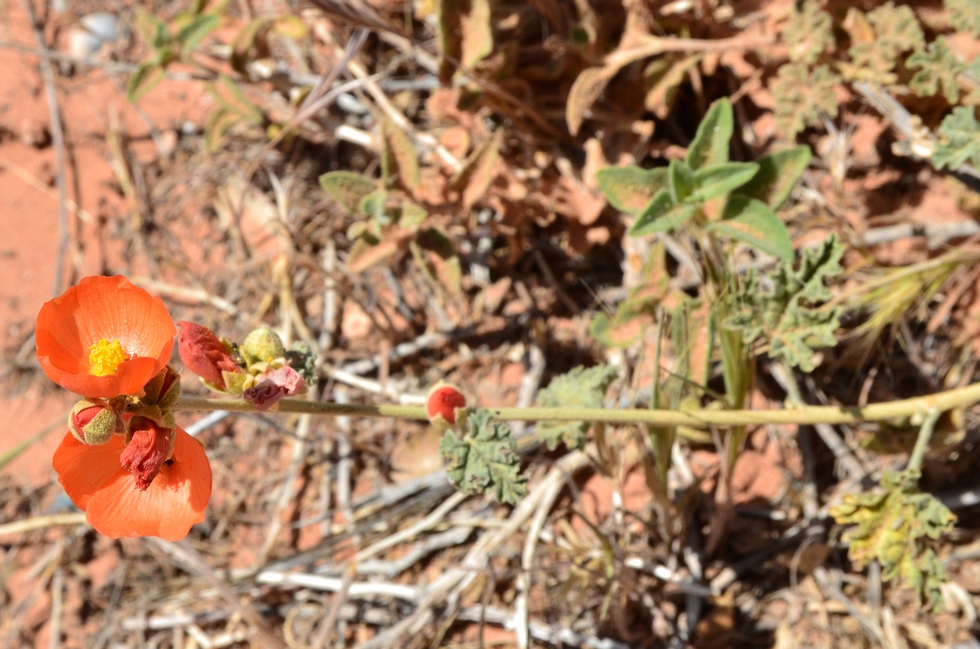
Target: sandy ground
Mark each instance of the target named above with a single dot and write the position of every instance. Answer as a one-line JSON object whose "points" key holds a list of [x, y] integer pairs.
{"points": [[92, 105]]}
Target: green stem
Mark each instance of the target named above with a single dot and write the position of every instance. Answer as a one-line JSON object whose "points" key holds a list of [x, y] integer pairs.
{"points": [[922, 441], [939, 402], [190, 404]]}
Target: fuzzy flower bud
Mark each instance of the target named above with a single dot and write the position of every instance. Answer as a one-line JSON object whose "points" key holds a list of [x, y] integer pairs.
{"points": [[93, 421], [163, 390], [262, 346], [441, 405], [149, 447], [205, 355]]}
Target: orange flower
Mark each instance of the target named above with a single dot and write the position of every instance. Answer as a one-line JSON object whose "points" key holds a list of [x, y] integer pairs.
{"points": [[174, 499], [105, 337]]}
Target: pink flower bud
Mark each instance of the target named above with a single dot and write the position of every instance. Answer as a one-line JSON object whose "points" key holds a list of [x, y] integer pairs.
{"points": [[93, 421], [204, 354], [441, 404], [273, 386], [149, 447]]}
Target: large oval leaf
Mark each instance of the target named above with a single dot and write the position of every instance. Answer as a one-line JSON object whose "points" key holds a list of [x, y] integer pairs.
{"points": [[717, 179], [347, 188], [751, 221], [778, 174], [629, 188], [710, 145], [680, 181], [662, 215]]}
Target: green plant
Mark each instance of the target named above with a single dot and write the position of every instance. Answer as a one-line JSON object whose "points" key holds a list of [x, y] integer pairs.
{"points": [[392, 215], [168, 45], [667, 199], [712, 199], [894, 525]]}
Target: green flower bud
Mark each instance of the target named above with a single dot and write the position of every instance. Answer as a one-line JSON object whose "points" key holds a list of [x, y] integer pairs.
{"points": [[163, 390], [263, 345], [93, 421]]}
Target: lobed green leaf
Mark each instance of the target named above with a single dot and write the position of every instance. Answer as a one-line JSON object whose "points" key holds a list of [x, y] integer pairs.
{"points": [[892, 526], [896, 30], [485, 459], [809, 32], [789, 313], [963, 16], [580, 388], [959, 141], [802, 96], [938, 68]]}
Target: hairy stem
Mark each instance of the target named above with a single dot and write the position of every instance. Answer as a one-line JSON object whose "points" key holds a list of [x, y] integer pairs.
{"points": [[938, 402], [922, 441]]}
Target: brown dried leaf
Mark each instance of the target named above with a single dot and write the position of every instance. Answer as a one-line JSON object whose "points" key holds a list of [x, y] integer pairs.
{"points": [[588, 87], [399, 156], [577, 202], [478, 172], [664, 76], [363, 255], [465, 37]]}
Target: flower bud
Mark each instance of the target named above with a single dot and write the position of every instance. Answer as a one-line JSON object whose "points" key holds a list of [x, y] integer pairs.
{"points": [[263, 345], [205, 355], [148, 447], [163, 390], [93, 421], [441, 405]]}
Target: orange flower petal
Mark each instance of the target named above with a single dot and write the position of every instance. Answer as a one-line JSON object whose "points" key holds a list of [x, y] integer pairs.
{"points": [[84, 468], [96, 482], [110, 308]]}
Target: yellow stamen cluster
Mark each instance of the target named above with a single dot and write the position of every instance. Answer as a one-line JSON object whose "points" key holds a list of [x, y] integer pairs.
{"points": [[105, 356]]}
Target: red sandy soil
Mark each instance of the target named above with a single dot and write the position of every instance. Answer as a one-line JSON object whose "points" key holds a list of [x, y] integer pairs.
{"points": [[91, 103]]}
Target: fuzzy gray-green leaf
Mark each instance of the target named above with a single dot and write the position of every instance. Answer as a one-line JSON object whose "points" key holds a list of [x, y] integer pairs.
{"points": [[751, 221], [629, 188], [777, 176], [144, 79], [347, 188], [580, 388], [680, 181], [194, 31], [788, 310], [959, 141], [715, 180], [661, 215], [710, 144], [485, 459], [893, 526], [938, 69]]}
